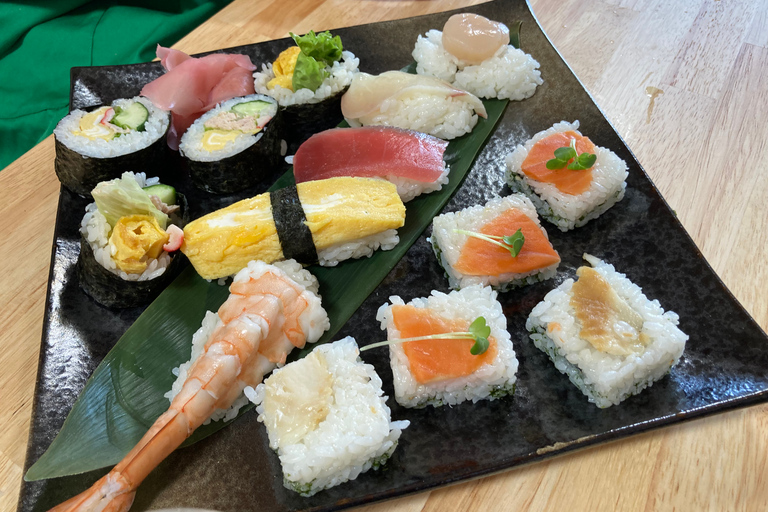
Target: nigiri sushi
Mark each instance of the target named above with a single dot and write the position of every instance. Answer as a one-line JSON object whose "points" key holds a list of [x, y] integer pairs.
{"points": [[567, 197], [414, 102], [474, 54], [327, 418], [325, 221], [411, 160], [604, 333], [469, 259], [444, 371]]}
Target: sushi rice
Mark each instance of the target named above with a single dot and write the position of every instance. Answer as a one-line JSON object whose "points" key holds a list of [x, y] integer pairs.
{"points": [[488, 382], [95, 229], [349, 430], [509, 74], [211, 322], [155, 127], [341, 74], [567, 211], [447, 244], [606, 379]]}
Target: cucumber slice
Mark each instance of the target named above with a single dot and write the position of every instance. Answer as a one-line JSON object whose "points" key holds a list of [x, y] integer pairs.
{"points": [[132, 117], [166, 193], [251, 108]]}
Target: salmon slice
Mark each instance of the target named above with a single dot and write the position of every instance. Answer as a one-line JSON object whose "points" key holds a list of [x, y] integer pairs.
{"points": [[566, 180], [437, 359], [370, 152], [482, 258]]}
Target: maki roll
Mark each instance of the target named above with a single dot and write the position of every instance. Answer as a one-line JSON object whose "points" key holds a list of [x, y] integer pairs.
{"points": [[569, 179], [308, 80], [233, 146], [474, 54], [413, 102], [411, 160], [102, 144], [476, 245], [327, 418], [324, 221], [441, 371], [129, 236], [604, 333]]}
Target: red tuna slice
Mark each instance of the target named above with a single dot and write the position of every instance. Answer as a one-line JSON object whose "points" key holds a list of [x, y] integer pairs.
{"points": [[370, 151]]}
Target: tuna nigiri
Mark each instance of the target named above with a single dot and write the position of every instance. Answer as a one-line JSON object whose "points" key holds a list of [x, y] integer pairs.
{"points": [[463, 243], [411, 160]]}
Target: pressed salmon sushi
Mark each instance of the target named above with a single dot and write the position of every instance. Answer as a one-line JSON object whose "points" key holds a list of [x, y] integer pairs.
{"points": [[443, 371], [566, 197], [413, 161], [605, 335], [469, 259]]}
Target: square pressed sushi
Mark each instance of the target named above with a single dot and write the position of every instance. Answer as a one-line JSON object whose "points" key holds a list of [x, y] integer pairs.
{"points": [[604, 333], [566, 197], [469, 259], [443, 370], [327, 418]]}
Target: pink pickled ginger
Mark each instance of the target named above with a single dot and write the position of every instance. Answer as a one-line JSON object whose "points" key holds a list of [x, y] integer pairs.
{"points": [[192, 86]]}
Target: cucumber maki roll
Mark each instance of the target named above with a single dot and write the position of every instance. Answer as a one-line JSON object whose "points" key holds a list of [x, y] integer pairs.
{"points": [[102, 144], [308, 81], [233, 146], [129, 240]]}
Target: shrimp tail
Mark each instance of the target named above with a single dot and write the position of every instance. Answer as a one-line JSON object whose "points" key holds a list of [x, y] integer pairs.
{"points": [[108, 494]]}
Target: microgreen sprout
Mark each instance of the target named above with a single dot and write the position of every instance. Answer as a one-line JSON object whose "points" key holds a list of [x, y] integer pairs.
{"points": [[512, 243], [580, 162], [478, 331]]}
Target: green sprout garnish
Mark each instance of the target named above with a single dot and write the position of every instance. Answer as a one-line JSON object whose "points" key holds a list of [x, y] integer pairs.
{"points": [[512, 243], [580, 162], [478, 331]]}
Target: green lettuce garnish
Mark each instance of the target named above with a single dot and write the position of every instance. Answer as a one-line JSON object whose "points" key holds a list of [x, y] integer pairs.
{"points": [[122, 197], [308, 73], [317, 51], [322, 47]]}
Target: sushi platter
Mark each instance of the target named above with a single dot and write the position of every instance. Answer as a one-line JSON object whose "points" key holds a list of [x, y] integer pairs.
{"points": [[542, 415]]}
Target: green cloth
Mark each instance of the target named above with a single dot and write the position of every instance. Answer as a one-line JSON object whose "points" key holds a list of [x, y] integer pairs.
{"points": [[41, 40]]}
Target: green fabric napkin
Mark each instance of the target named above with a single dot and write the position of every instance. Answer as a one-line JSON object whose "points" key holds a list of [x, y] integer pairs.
{"points": [[41, 40]]}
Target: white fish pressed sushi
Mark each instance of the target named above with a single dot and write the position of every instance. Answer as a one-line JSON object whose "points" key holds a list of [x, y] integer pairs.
{"points": [[605, 334], [444, 371], [468, 257], [564, 193], [474, 54], [327, 418]]}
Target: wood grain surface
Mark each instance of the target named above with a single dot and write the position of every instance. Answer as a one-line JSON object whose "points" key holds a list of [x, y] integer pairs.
{"points": [[684, 82]]}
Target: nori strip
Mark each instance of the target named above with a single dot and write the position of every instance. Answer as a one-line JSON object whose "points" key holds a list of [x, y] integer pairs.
{"points": [[290, 223], [81, 174], [253, 165], [111, 290], [301, 121]]}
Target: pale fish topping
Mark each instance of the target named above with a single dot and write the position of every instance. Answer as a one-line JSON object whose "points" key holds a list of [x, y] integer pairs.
{"points": [[607, 321]]}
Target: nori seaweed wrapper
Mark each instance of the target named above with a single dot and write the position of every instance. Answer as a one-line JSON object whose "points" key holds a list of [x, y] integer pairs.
{"points": [[290, 223], [301, 121], [253, 165], [111, 290], [81, 174]]}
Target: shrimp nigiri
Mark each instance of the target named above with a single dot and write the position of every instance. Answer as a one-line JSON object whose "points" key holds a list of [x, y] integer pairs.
{"points": [[269, 311]]}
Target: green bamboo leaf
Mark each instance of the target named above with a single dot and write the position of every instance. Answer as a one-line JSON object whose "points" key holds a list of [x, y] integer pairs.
{"points": [[125, 394]]}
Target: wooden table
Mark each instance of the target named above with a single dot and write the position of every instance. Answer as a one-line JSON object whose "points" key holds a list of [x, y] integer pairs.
{"points": [[704, 142]]}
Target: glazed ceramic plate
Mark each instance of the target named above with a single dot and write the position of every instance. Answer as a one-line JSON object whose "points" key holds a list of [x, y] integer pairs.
{"points": [[723, 366]]}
